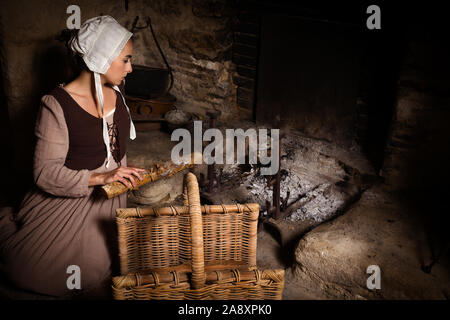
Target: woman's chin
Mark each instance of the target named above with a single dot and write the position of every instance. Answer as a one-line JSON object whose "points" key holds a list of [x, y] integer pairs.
{"points": [[117, 82]]}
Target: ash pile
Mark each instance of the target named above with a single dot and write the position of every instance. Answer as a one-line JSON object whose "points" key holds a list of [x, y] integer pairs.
{"points": [[318, 180]]}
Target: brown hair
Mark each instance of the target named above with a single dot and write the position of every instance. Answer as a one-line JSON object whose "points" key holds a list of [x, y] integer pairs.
{"points": [[75, 63]]}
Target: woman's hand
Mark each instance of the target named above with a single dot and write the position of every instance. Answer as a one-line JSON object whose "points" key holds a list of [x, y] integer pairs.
{"points": [[121, 174]]}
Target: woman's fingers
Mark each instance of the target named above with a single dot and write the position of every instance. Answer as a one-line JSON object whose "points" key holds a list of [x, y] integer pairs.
{"points": [[136, 171], [126, 175], [119, 175], [125, 182], [130, 178], [137, 174]]}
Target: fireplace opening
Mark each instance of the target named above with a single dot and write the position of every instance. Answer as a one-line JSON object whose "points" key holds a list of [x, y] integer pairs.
{"points": [[321, 71]]}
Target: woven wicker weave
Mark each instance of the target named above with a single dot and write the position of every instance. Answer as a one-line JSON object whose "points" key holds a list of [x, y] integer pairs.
{"points": [[234, 284], [192, 252], [151, 238]]}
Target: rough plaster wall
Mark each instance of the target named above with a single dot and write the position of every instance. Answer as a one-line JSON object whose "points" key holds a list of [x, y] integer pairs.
{"points": [[196, 37], [27, 31]]}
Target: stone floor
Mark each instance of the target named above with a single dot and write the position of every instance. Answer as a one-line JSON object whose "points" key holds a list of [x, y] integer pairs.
{"points": [[328, 259]]}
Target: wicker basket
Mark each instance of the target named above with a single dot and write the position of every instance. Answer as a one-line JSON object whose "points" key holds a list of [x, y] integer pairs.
{"points": [[178, 253]]}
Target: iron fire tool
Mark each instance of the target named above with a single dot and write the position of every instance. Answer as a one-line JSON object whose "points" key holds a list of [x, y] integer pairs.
{"points": [[274, 181], [279, 209]]}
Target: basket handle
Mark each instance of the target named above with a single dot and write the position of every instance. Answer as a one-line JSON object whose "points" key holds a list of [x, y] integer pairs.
{"points": [[192, 199]]}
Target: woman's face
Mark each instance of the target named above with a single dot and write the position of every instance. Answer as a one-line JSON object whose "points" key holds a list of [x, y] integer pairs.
{"points": [[121, 66]]}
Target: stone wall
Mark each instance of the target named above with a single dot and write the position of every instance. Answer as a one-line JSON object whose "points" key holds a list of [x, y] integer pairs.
{"points": [[196, 37]]}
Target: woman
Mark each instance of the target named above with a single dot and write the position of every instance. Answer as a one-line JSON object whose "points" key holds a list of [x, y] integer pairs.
{"points": [[63, 226]]}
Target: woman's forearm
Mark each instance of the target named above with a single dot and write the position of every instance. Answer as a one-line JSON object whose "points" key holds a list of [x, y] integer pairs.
{"points": [[96, 179]]}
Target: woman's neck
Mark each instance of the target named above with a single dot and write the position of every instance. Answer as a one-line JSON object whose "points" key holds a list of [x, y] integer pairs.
{"points": [[86, 81], [84, 86]]}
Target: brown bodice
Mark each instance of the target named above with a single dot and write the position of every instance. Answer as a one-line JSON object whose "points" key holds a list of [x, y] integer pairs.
{"points": [[87, 149]]}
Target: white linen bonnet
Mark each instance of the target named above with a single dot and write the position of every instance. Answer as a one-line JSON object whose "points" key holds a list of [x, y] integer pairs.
{"points": [[99, 41]]}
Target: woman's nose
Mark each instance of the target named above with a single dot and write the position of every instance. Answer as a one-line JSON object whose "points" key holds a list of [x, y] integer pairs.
{"points": [[129, 68]]}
